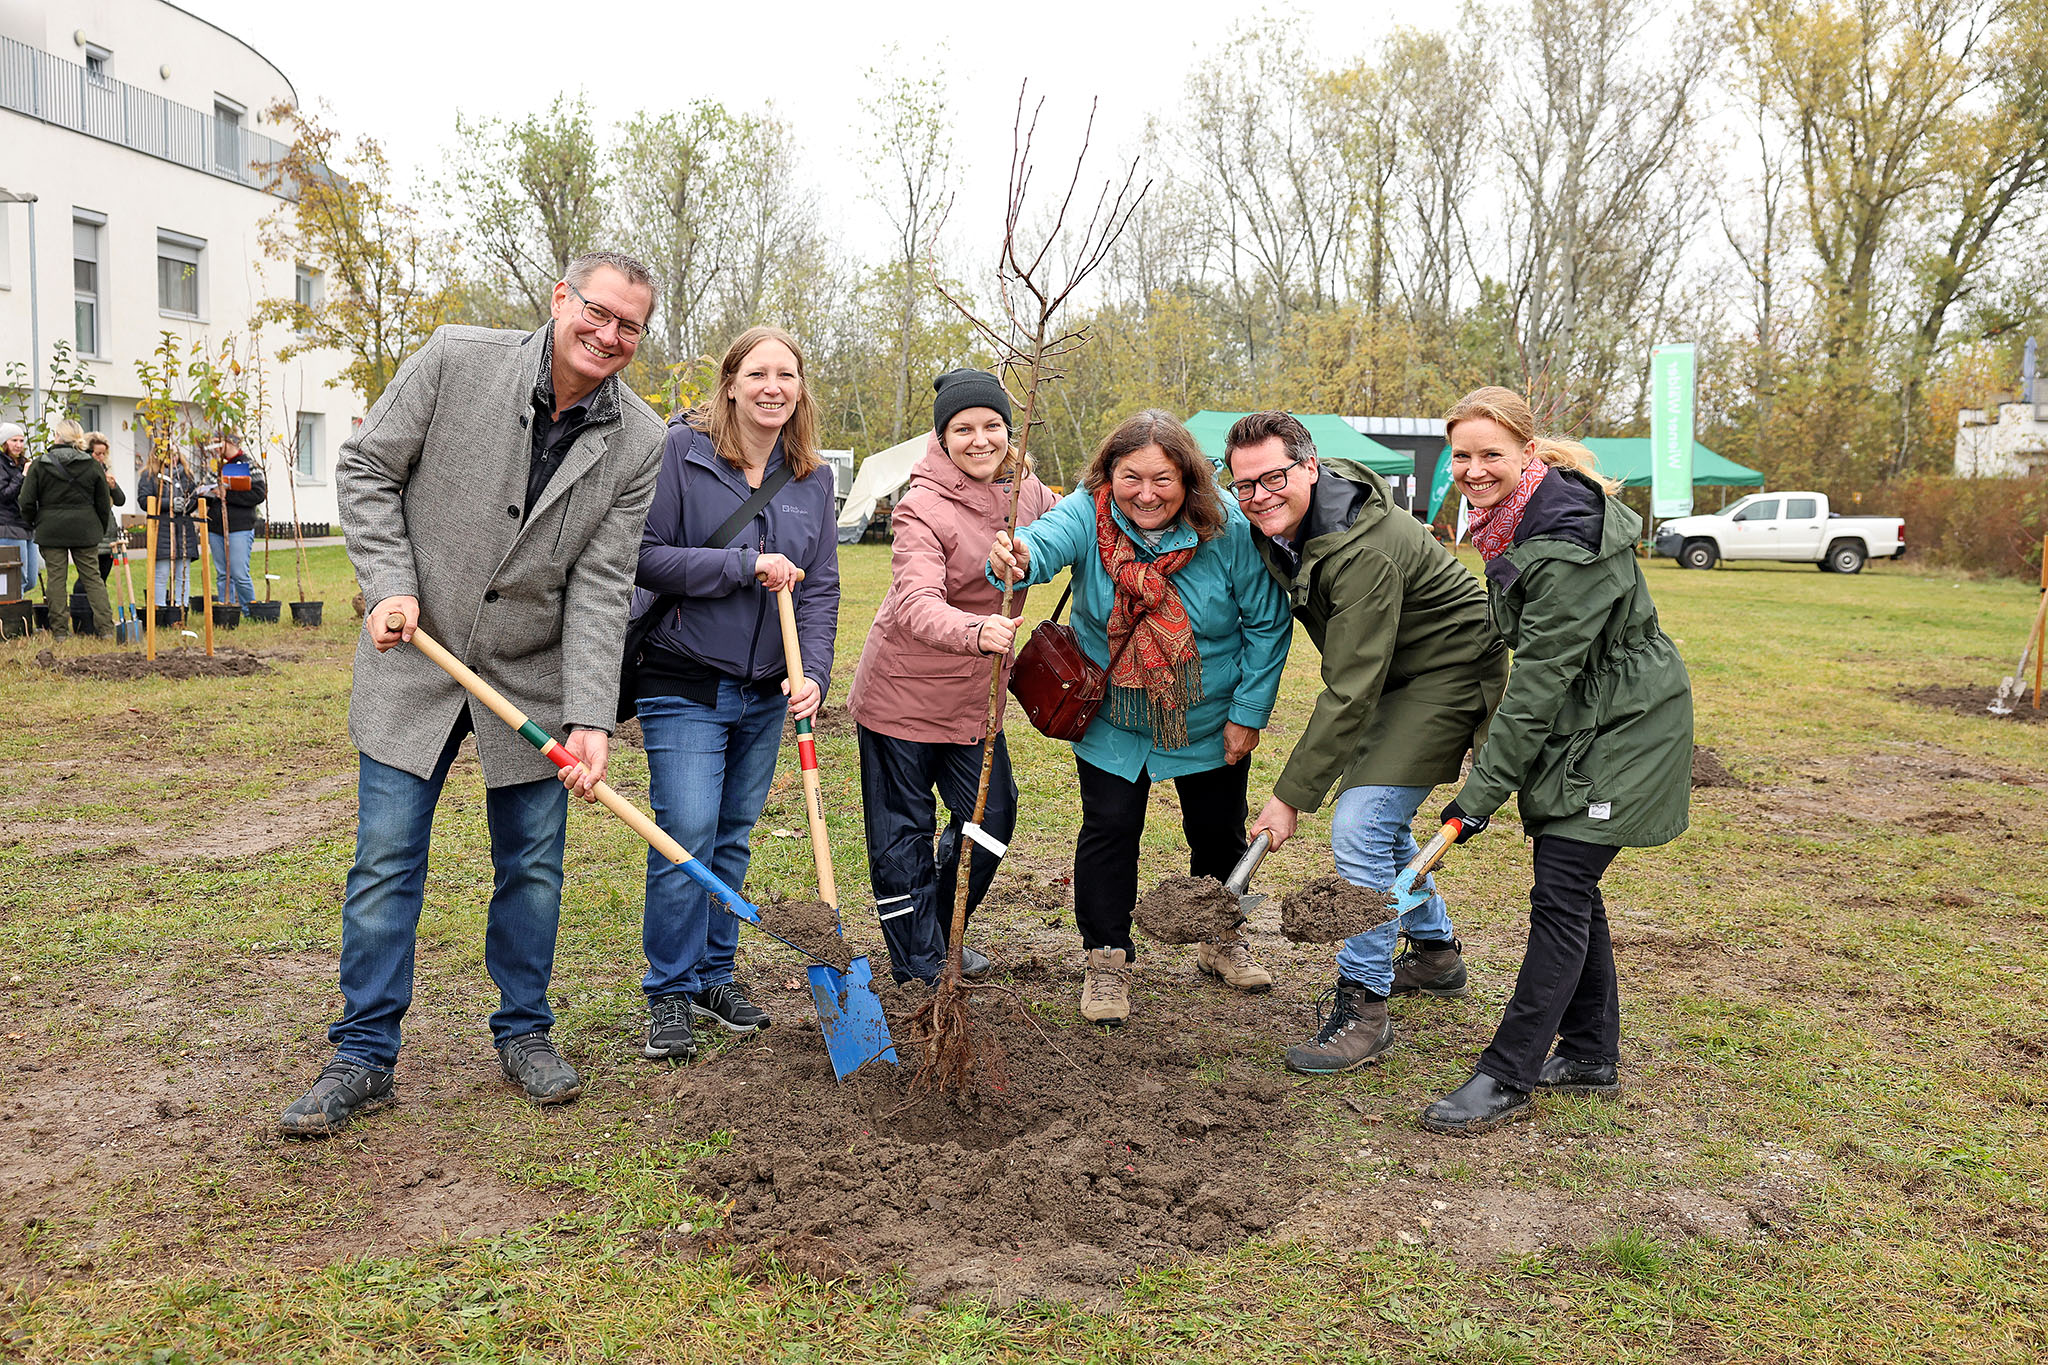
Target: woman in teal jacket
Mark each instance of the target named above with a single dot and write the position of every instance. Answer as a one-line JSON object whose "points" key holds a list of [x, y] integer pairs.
{"points": [[1171, 596]]}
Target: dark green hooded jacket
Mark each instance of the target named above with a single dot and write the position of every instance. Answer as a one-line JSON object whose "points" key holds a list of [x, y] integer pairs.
{"points": [[1595, 731], [1411, 666], [64, 497]]}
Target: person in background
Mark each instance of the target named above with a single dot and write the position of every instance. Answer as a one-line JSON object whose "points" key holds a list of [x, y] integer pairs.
{"points": [[13, 530], [1171, 598], [920, 695], [713, 688], [167, 477], [1594, 735], [96, 446], [1411, 670], [64, 499], [231, 522]]}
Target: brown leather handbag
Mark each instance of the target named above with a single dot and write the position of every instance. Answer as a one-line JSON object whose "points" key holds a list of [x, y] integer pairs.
{"points": [[1054, 680]]}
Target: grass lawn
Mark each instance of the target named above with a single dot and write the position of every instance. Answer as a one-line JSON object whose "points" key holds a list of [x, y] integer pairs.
{"points": [[1833, 1144]]}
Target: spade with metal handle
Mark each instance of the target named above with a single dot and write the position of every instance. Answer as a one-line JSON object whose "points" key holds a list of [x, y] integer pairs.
{"points": [[1406, 895], [1241, 877], [849, 1012]]}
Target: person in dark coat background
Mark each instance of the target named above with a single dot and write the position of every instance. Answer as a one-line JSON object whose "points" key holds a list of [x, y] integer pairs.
{"points": [[168, 478], [231, 522], [64, 499], [13, 530]]}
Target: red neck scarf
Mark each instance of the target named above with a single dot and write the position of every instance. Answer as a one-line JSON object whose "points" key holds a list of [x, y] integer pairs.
{"points": [[1493, 528], [1155, 672]]}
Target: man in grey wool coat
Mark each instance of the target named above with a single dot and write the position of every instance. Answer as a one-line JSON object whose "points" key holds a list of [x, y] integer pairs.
{"points": [[495, 496]]}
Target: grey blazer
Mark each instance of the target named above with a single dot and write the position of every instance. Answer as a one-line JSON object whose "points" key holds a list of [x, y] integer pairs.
{"points": [[432, 490]]}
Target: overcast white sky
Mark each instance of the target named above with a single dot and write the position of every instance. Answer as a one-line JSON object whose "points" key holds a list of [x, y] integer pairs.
{"points": [[401, 71]]}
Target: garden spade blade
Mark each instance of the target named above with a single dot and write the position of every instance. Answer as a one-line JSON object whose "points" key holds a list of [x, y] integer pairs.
{"points": [[1406, 895], [849, 1011], [1241, 876]]}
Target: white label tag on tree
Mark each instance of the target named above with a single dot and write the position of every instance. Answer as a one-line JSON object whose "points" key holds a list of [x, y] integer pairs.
{"points": [[1600, 810]]}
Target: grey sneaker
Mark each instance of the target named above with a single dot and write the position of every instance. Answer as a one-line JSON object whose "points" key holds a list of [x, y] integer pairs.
{"points": [[726, 1006], [668, 1030], [531, 1062], [344, 1090]]}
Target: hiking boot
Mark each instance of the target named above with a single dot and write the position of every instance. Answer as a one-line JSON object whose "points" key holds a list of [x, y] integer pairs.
{"points": [[1569, 1076], [1230, 960], [668, 1030], [531, 1062], [1480, 1105], [345, 1089], [1106, 987], [726, 1006], [1439, 972], [1355, 1032]]}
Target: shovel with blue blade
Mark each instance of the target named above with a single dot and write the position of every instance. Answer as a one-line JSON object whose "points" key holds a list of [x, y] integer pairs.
{"points": [[1405, 895], [850, 1014]]}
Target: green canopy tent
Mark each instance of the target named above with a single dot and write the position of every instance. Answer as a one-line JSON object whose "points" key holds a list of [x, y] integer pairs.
{"points": [[1333, 437], [1627, 458]]}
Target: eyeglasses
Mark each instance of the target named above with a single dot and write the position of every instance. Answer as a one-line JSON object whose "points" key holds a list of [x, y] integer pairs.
{"points": [[601, 317], [1273, 480]]}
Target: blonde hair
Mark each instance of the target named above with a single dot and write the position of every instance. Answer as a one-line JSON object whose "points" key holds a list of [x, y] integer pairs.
{"points": [[1512, 411], [163, 457], [714, 415], [67, 432]]}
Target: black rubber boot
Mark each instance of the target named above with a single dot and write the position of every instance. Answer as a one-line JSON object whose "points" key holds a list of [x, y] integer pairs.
{"points": [[1480, 1105], [1570, 1076]]}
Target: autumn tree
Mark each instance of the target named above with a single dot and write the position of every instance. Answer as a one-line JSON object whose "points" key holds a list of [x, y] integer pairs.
{"points": [[387, 280], [532, 194], [910, 162]]}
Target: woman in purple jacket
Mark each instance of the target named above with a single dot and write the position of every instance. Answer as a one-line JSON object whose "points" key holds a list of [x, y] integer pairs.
{"points": [[712, 690]]}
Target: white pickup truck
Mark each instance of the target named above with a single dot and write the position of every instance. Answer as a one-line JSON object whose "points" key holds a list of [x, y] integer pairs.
{"points": [[1796, 528]]}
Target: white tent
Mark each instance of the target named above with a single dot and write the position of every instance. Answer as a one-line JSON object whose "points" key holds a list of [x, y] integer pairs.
{"points": [[881, 475]]}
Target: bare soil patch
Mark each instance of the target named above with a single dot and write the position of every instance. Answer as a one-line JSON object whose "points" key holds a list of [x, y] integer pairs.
{"points": [[1709, 771], [1330, 908], [1908, 788], [179, 665], [809, 925], [1102, 1152], [1187, 910], [282, 820], [1976, 701]]}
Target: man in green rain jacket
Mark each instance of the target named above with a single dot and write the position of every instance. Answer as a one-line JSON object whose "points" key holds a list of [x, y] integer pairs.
{"points": [[1412, 669]]}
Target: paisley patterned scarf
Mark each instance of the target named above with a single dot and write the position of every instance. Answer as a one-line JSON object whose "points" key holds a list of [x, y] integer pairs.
{"points": [[1155, 672], [1493, 528]]}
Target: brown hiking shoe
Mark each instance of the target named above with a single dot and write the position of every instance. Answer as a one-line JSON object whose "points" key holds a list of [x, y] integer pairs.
{"points": [[1440, 972], [1355, 1032], [1231, 961], [1106, 988]]}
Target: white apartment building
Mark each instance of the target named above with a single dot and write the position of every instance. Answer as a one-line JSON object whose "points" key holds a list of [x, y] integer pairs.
{"points": [[139, 130]]}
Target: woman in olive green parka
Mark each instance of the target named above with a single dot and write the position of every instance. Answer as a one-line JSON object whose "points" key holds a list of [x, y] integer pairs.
{"points": [[1594, 735]]}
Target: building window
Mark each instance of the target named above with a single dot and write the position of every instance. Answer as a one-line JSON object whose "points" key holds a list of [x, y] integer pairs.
{"points": [[96, 59], [85, 283], [177, 273], [89, 415], [306, 289], [227, 135], [306, 456]]}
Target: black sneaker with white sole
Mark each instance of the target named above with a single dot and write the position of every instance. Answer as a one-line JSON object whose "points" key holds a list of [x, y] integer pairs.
{"points": [[345, 1090], [669, 1037], [726, 1006]]}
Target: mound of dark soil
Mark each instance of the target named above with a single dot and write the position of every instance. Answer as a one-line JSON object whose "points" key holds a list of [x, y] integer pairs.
{"points": [[1976, 701], [812, 926], [1187, 910], [1102, 1152], [176, 664], [1709, 771], [1330, 908]]}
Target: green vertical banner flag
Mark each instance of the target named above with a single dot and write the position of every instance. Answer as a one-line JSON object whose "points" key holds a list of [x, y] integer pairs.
{"points": [[1671, 380], [1440, 485]]}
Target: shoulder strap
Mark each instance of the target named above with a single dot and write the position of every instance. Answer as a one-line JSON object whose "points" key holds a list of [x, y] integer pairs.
{"points": [[749, 509]]}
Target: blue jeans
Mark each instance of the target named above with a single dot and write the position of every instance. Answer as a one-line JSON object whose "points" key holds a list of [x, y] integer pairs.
{"points": [[1372, 836], [31, 562], [163, 583], [380, 914], [708, 771], [231, 563]]}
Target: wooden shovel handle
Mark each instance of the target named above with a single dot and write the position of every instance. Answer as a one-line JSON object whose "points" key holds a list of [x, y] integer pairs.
{"points": [[807, 755], [636, 819], [1433, 852]]}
